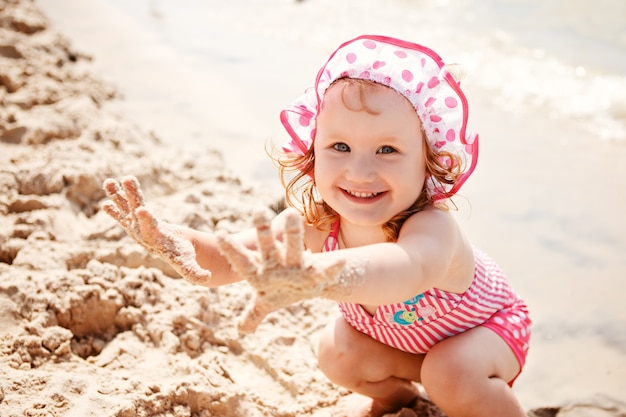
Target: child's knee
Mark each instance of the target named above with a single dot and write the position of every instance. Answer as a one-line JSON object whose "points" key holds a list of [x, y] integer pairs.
{"points": [[446, 376], [336, 351]]}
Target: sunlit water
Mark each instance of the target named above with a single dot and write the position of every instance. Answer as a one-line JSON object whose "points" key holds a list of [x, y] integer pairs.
{"points": [[231, 66], [569, 55]]}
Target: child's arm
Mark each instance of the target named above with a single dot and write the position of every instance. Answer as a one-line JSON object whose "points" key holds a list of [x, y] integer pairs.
{"points": [[284, 273], [430, 252], [193, 254], [280, 272]]}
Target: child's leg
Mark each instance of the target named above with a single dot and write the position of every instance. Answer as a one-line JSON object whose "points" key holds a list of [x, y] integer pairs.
{"points": [[365, 366], [467, 375]]}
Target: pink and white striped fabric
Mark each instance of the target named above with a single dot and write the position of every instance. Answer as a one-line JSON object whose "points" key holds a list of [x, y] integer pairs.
{"points": [[416, 325]]}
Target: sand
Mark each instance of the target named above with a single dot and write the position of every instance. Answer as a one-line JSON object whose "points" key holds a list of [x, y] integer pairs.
{"points": [[92, 325]]}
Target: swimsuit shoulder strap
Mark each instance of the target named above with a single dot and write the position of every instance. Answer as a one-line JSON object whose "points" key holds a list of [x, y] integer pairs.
{"points": [[332, 241]]}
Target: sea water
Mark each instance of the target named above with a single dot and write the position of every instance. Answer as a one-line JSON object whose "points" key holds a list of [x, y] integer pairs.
{"points": [[227, 68]]}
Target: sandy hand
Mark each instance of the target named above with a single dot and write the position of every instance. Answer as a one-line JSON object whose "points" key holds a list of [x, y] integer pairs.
{"points": [[127, 207], [282, 273]]}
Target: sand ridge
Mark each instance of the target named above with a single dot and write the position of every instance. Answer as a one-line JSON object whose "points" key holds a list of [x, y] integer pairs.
{"points": [[91, 324]]}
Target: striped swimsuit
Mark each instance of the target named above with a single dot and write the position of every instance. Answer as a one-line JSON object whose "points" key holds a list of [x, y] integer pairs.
{"points": [[416, 325]]}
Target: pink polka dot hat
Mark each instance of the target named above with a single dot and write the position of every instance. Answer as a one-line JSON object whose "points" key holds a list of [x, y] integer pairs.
{"points": [[414, 71]]}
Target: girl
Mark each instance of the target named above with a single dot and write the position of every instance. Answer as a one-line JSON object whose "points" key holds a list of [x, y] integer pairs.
{"points": [[378, 146]]}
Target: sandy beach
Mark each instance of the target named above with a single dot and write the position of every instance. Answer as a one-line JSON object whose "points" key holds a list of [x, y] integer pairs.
{"points": [[90, 325]]}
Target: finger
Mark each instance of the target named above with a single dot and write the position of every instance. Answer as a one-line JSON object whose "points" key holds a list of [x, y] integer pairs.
{"points": [[111, 209], [294, 244], [114, 191], [148, 225], [240, 258], [253, 317], [267, 244], [133, 192], [193, 272]]}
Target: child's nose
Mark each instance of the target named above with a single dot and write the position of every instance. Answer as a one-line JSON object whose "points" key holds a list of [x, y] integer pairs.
{"points": [[361, 169]]}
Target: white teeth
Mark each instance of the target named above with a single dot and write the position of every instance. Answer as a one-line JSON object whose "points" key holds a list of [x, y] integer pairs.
{"points": [[362, 195]]}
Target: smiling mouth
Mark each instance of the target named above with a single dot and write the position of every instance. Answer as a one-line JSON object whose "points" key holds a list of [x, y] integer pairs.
{"points": [[357, 194]]}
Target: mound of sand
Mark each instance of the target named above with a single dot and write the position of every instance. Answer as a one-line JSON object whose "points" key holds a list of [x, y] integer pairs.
{"points": [[90, 324]]}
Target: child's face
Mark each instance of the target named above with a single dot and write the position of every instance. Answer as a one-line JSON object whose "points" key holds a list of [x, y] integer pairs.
{"points": [[369, 153]]}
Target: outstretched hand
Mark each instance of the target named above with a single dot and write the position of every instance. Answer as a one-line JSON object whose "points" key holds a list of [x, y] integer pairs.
{"points": [[281, 272], [128, 208]]}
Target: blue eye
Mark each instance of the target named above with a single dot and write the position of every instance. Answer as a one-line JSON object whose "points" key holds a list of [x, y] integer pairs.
{"points": [[341, 147], [386, 150]]}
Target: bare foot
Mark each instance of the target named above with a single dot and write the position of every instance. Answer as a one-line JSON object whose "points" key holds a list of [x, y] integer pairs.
{"points": [[357, 405], [423, 407], [414, 402]]}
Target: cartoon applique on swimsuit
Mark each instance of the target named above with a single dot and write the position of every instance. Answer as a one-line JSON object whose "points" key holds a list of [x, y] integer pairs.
{"points": [[412, 312]]}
